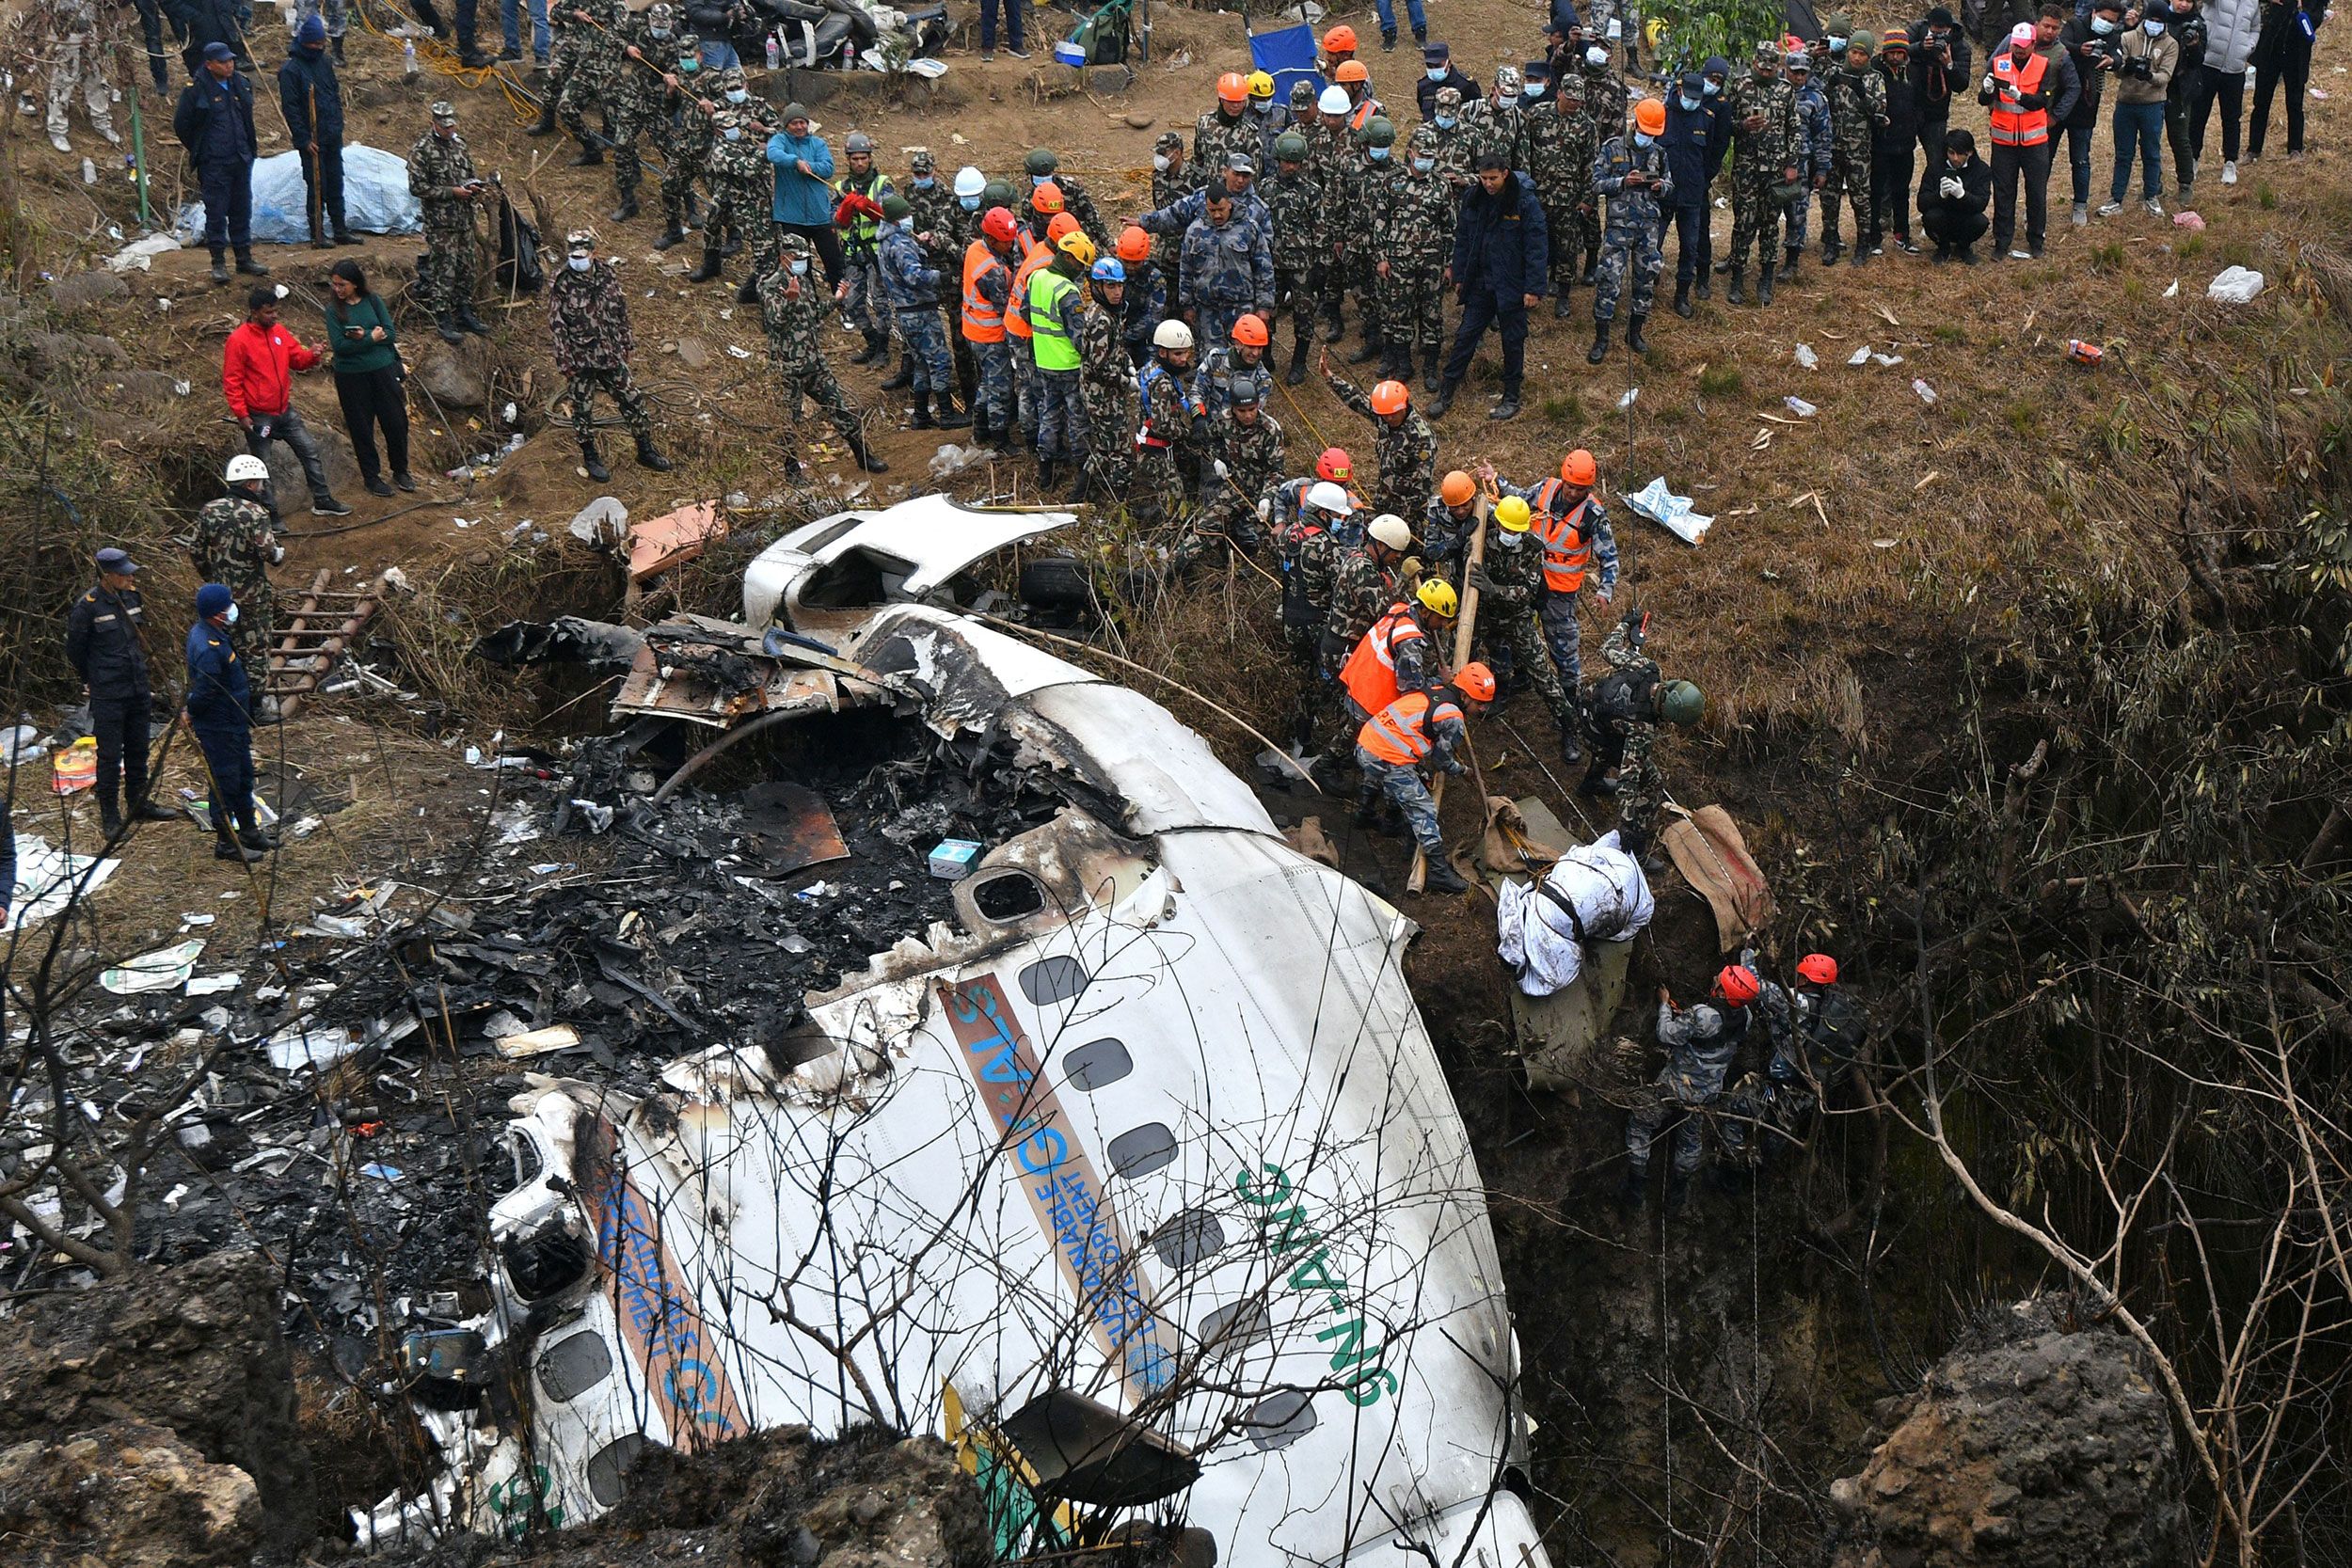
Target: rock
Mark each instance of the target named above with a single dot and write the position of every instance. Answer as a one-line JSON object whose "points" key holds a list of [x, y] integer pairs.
{"points": [[286, 481], [196, 1349], [456, 374], [87, 287], [58, 353], [126, 1494], [1139, 119], [2029, 1446], [693, 354]]}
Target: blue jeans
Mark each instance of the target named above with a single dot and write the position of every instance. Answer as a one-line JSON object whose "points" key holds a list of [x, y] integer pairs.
{"points": [[718, 54], [1016, 21], [1388, 17], [2142, 123], [510, 20]]}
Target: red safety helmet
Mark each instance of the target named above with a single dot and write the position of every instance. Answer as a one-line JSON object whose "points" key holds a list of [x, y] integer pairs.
{"points": [[1819, 968], [1457, 488], [1335, 466], [1577, 467], [1738, 984], [998, 225], [1340, 40], [1046, 197], [1064, 222], [1134, 243]]}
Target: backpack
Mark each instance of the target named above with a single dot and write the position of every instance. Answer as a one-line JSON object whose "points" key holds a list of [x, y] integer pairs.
{"points": [[518, 271]]}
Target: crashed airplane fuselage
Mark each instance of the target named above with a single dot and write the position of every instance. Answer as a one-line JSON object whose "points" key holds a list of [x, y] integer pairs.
{"points": [[1142, 1184]]}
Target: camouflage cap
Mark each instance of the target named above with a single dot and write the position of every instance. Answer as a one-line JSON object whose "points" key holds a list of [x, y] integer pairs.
{"points": [[1449, 97], [794, 244], [1837, 24], [1302, 95], [580, 239], [444, 111], [731, 78], [1768, 52], [919, 160], [1168, 141], [1242, 163], [659, 14], [1425, 141], [1507, 79]]}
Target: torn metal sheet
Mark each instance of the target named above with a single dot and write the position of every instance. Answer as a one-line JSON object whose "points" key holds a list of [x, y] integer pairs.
{"points": [[672, 539], [794, 825], [1151, 1142], [833, 571], [719, 673]]}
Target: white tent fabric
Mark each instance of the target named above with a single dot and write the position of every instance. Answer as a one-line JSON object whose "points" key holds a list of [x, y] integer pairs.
{"points": [[375, 198], [1537, 939]]}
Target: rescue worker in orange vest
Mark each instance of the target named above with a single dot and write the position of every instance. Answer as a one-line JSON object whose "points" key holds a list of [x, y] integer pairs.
{"points": [[988, 263], [1019, 339], [2026, 92], [1578, 544], [1352, 78], [1419, 732], [1401, 652]]}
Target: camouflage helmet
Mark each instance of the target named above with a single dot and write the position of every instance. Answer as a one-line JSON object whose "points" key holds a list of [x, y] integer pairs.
{"points": [[1449, 97], [659, 14], [1290, 148], [690, 53], [1377, 132], [1424, 142]]}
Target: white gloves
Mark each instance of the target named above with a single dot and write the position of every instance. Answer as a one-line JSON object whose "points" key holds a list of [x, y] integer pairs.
{"points": [[1953, 190]]}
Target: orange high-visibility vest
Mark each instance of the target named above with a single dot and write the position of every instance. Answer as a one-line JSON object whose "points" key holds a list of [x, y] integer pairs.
{"points": [[1567, 548], [1370, 673], [1017, 315], [2012, 125], [1399, 733], [983, 319]]}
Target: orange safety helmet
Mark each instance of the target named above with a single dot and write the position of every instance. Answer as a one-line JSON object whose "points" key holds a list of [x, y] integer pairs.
{"points": [[1340, 40], [1457, 488], [997, 224], [1819, 968], [1389, 397], [1476, 682], [1249, 330], [1738, 984], [1351, 70], [1233, 87], [1046, 197], [1649, 115], [1063, 224], [1134, 243], [1577, 467], [1335, 466]]}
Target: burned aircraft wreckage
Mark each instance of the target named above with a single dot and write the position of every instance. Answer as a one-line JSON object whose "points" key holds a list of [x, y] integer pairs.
{"points": [[1138, 1180]]}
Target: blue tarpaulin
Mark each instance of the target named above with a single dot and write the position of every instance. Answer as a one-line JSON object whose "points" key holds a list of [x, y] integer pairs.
{"points": [[1288, 57]]}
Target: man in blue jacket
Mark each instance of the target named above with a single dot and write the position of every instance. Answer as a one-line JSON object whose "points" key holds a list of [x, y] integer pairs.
{"points": [[214, 122], [1500, 256], [1697, 136], [220, 714], [805, 196], [313, 101]]}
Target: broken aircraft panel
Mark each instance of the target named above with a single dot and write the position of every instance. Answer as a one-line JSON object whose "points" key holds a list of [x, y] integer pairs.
{"points": [[1141, 1181], [827, 575]]}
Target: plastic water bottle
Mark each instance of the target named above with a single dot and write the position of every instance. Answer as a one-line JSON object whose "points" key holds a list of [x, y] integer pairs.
{"points": [[775, 54], [408, 56]]}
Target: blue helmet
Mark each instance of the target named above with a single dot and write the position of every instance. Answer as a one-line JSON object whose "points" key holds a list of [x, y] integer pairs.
{"points": [[1110, 269]]}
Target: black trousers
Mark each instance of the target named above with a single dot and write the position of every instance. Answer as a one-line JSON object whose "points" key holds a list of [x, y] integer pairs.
{"points": [[2293, 70], [228, 758], [827, 239], [1890, 187], [374, 398], [1694, 246], [323, 178], [1958, 231], [2009, 164], [2228, 89], [119, 724], [1481, 310], [152, 29]]}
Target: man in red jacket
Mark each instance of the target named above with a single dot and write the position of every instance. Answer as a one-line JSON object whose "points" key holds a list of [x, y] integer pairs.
{"points": [[257, 373]]}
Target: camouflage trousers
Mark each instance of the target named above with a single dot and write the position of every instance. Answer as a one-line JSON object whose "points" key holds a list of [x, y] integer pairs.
{"points": [[1677, 1099], [1404, 787], [632, 117], [1637, 254], [1110, 416], [446, 282], [1562, 634], [925, 338], [581, 387], [1566, 228], [992, 405], [584, 88], [864, 306], [1849, 186], [1797, 217], [1157, 494], [746, 206], [1625, 745], [1520, 640], [1754, 221], [1412, 307], [1024, 388], [1062, 421], [815, 381], [1294, 296], [679, 169]]}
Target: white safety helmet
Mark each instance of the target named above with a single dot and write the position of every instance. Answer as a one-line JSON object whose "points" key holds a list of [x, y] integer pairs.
{"points": [[1324, 496], [1335, 100], [245, 466], [970, 182], [1172, 333], [1389, 529]]}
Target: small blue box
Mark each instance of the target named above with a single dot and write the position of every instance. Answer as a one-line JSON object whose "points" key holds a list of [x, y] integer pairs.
{"points": [[954, 859]]}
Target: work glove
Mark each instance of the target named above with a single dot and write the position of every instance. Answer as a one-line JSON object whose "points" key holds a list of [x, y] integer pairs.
{"points": [[1480, 580], [1953, 190], [1265, 510], [1990, 81], [1453, 764]]}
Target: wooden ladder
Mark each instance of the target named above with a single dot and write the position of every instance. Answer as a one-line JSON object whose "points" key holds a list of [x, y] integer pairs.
{"points": [[327, 623]]}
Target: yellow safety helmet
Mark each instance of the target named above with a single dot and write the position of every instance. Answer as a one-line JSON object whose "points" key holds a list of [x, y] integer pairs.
{"points": [[1260, 84], [1513, 515], [1436, 597], [1077, 247]]}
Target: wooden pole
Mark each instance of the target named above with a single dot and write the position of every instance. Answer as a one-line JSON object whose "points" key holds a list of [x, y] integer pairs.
{"points": [[1465, 636]]}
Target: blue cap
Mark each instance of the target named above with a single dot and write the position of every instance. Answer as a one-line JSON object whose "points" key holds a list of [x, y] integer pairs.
{"points": [[113, 560], [1692, 83], [312, 31], [211, 599], [1436, 54], [220, 51]]}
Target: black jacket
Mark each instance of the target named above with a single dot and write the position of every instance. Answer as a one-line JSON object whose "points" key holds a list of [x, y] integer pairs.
{"points": [[1976, 178], [1902, 111], [1696, 141], [308, 91], [207, 22], [214, 120], [102, 642], [2085, 49], [1425, 92], [2190, 32], [1932, 85], [1499, 243], [2281, 37]]}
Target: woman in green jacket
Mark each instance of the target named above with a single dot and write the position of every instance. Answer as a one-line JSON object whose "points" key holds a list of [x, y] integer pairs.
{"points": [[368, 376]]}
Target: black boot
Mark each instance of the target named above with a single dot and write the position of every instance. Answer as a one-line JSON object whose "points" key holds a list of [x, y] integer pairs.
{"points": [[1706, 289], [1297, 372], [1048, 470], [1764, 284], [747, 292], [1080, 484], [227, 848], [1333, 329], [447, 326], [864, 455], [1600, 351], [1442, 878], [905, 377], [674, 233], [109, 821], [335, 46], [1790, 256], [593, 460], [1434, 376], [872, 352], [1682, 299], [248, 265], [220, 268], [1737, 293], [950, 416], [1562, 306], [708, 271], [468, 322], [1860, 254], [626, 209], [1508, 408], [545, 124], [1570, 753], [1372, 350], [257, 838], [648, 458], [1831, 251], [1444, 399], [923, 420], [1634, 334], [589, 155]]}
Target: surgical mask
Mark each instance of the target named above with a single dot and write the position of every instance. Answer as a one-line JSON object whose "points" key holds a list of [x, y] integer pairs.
{"points": [[969, 203], [1037, 180], [906, 226], [1159, 163], [661, 34], [924, 182], [1710, 86], [231, 614], [2102, 26], [688, 65], [2153, 26], [1837, 44], [1446, 122], [799, 269], [739, 95], [579, 263], [1435, 73], [1689, 105], [1378, 154], [1507, 101], [733, 133], [1423, 165], [1643, 138]]}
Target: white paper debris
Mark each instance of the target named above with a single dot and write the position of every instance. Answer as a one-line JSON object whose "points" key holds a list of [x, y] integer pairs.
{"points": [[1860, 355], [1669, 511], [164, 969], [1806, 358], [213, 985], [1887, 358], [1630, 394], [1801, 408], [47, 880], [1927, 393], [2236, 285], [302, 1044]]}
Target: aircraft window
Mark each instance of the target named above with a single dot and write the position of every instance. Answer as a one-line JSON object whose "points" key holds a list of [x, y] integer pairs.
{"points": [[1230, 1328], [1280, 1419], [612, 1463], [1188, 1238], [1009, 895], [1095, 1064], [572, 1366], [1141, 1151], [1056, 979]]}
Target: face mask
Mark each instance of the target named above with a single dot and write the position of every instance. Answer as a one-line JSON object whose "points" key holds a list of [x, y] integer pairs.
{"points": [[1423, 165], [1159, 163], [2102, 26], [1037, 180], [799, 269], [231, 614], [1378, 154], [1446, 122], [733, 133], [577, 263], [969, 203], [1643, 138], [924, 182], [1435, 74], [661, 34], [739, 95], [1507, 101], [688, 66], [2154, 26], [1689, 105], [1837, 45], [906, 226]]}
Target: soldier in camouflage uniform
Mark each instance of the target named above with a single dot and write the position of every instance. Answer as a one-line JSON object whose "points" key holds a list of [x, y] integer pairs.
{"points": [[1227, 269], [743, 184], [1454, 140], [1624, 719], [1857, 108], [235, 544], [442, 179], [940, 235], [1605, 104], [1220, 133], [1106, 388], [1403, 444], [1173, 180], [1630, 175], [1764, 155], [1364, 582], [1813, 157], [1412, 236], [647, 75], [792, 306], [588, 314], [1240, 361], [1166, 428], [1497, 123], [584, 67], [1560, 155], [1352, 208], [1294, 200], [1331, 160], [1244, 445], [1045, 165], [1510, 584], [684, 134], [915, 290], [1701, 1044]]}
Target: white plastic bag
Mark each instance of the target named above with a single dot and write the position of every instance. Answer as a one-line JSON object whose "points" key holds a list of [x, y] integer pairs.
{"points": [[2236, 285]]}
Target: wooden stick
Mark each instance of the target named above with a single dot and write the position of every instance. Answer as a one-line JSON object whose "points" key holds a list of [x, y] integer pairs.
{"points": [[1465, 634]]}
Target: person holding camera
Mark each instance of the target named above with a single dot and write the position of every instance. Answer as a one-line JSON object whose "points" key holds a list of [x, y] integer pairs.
{"points": [[1940, 59], [2095, 45], [2144, 67]]}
